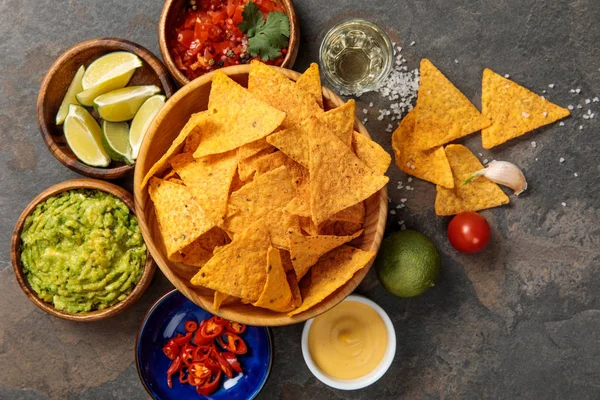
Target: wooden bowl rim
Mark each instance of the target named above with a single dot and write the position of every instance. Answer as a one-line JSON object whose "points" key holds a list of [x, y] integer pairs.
{"points": [[278, 319], [15, 252], [72, 162], [288, 61]]}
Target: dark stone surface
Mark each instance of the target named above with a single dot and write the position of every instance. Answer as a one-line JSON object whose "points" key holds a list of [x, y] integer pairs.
{"points": [[520, 320]]}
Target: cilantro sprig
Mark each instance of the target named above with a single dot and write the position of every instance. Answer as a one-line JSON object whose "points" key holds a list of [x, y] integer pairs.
{"points": [[265, 38]]}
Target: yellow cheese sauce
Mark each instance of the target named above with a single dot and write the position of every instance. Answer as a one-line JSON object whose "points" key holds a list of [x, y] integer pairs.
{"points": [[349, 341]]}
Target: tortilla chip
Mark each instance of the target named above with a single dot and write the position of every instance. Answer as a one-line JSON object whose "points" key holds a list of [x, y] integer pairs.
{"points": [[197, 122], [355, 213], [179, 215], [310, 82], [240, 118], [268, 85], [252, 148], [209, 179], [238, 269], [262, 164], [236, 183], [264, 200], [371, 153], [338, 179], [478, 194], [308, 226], [513, 109], [218, 299], [196, 128], [340, 228], [430, 165], [306, 250], [276, 294], [171, 174], [200, 250], [331, 272], [295, 289], [445, 114], [246, 167], [294, 141]]}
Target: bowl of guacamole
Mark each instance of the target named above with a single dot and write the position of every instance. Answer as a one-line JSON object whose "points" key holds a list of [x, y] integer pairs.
{"points": [[80, 250]]}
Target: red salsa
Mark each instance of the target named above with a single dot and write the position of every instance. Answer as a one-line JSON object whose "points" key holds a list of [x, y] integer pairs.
{"points": [[207, 37]]}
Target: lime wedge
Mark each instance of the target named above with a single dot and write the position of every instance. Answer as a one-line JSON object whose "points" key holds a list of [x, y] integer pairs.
{"points": [[122, 104], [84, 137], [115, 138], [142, 121], [74, 88], [110, 66]]}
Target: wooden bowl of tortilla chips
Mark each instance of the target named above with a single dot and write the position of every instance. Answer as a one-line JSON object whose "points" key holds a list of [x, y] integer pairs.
{"points": [[260, 195]]}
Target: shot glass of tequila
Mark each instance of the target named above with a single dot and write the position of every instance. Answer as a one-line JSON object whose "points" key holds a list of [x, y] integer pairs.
{"points": [[356, 56]]}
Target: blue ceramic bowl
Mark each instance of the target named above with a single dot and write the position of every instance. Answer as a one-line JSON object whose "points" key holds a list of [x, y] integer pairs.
{"points": [[163, 321]]}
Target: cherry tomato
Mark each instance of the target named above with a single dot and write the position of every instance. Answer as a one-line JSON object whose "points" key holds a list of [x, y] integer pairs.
{"points": [[468, 232]]}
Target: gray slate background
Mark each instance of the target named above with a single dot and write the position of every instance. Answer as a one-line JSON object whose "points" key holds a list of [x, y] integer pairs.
{"points": [[519, 321]]}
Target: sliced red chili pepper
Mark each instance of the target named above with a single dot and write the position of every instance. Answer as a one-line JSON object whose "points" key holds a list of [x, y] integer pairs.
{"points": [[208, 387], [234, 344], [201, 371], [187, 354], [211, 330], [218, 320], [235, 327], [201, 352], [181, 339], [173, 368], [222, 363], [171, 349], [212, 365], [232, 360], [200, 340], [191, 326], [183, 375]]}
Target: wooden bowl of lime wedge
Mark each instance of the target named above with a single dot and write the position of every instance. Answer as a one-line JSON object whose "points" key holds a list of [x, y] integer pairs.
{"points": [[96, 102]]}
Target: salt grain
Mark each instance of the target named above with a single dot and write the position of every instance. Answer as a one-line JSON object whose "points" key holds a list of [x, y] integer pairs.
{"points": [[580, 127], [551, 86], [403, 200], [506, 76], [413, 43], [579, 106], [570, 107], [577, 90], [485, 161], [533, 144], [561, 123], [408, 187], [480, 155], [563, 204], [596, 100], [371, 104], [561, 160], [455, 61], [409, 180], [575, 174], [588, 101], [393, 212], [365, 111]]}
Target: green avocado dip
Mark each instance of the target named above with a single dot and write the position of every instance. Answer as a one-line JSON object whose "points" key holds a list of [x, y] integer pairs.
{"points": [[82, 250]]}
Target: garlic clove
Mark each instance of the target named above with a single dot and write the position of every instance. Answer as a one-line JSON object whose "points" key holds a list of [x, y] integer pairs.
{"points": [[503, 173]]}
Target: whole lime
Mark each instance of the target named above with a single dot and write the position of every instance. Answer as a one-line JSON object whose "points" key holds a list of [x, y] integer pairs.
{"points": [[407, 264]]}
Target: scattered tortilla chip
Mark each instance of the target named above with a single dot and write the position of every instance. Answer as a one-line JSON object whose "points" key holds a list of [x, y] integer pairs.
{"points": [[445, 114], [196, 122], [264, 200], [371, 153], [268, 85], [338, 179], [331, 272], [276, 294], [310, 82], [240, 117], [238, 269], [478, 194], [306, 250], [180, 218], [340, 228], [218, 299], [294, 141], [430, 165], [200, 250], [252, 148], [513, 109], [209, 179]]}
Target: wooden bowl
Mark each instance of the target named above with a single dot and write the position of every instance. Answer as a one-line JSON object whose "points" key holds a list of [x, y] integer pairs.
{"points": [[174, 8], [15, 253], [55, 85], [171, 118]]}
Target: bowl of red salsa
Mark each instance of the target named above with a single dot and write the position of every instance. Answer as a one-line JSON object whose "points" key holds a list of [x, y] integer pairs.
{"points": [[200, 36]]}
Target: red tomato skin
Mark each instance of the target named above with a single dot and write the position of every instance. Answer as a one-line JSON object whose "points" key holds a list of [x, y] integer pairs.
{"points": [[469, 232]]}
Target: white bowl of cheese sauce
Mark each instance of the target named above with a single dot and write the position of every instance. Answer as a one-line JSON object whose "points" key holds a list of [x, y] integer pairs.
{"points": [[350, 346]]}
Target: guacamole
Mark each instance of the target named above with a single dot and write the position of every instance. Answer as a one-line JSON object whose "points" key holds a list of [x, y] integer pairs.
{"points": [[82, 250]]}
